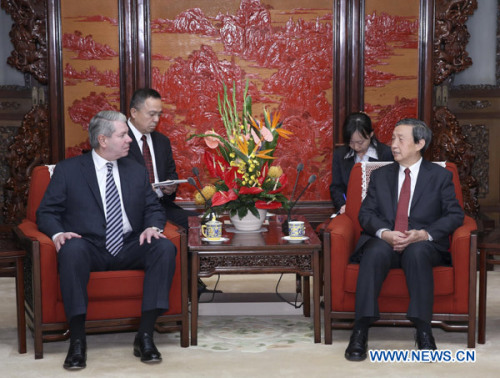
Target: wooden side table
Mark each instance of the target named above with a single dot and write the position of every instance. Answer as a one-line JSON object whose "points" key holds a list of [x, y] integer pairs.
{"points": [[489, 246], [12, 265]]}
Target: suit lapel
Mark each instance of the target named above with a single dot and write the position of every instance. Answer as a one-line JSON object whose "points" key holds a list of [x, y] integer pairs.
{"points": [[125, 184], [135, 151], [393, 187], [422, 182], [160, 163], [90, 175]]}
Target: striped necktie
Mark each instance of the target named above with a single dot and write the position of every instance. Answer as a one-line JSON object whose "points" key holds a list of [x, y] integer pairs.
{"points": [[114, 223], [146, 153]]}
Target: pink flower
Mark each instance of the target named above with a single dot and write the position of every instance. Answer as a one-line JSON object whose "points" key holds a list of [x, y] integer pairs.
{"points": [[211, 141], [267, 134]]}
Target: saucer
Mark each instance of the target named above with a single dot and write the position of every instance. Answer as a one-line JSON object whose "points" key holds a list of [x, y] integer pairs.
{"points": [[212, 241], [295, 240]]}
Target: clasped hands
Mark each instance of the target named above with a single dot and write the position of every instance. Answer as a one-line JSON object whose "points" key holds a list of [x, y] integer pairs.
{"points": [[146, 235], [400, 240]]}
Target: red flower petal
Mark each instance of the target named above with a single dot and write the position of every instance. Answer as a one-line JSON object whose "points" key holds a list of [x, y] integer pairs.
{"points": [[283, 180], [220, 198], [267, 205], [252, 190]]}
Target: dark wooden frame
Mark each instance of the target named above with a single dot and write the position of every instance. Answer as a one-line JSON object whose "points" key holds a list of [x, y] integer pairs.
{"points": [[59, 331], [348, 60]]}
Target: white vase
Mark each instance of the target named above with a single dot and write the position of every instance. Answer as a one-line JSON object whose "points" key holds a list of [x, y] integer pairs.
{"points": [[249, 222]]}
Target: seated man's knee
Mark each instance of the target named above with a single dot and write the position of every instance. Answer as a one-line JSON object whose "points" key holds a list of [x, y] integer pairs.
{"points": [[377, 250], [165, 250], [74, 252]]}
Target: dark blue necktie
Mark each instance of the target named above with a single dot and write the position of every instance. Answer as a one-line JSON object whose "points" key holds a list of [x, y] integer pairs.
{"points": [[114, 223]]}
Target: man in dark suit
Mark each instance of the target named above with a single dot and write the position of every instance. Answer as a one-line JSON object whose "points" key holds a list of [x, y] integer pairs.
{"points": [[103, 215], [423, 195], [145, 112]]}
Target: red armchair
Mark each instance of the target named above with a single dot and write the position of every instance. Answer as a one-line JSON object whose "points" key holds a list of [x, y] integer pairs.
{"points": [[114, 297], [454, 286]]}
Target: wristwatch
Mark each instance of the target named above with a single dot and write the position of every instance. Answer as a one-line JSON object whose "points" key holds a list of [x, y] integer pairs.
{"points": [[159, 230]]}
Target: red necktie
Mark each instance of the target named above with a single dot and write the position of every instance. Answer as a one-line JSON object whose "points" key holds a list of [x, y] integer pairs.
{"points": [[146, 153], [403, 203]]}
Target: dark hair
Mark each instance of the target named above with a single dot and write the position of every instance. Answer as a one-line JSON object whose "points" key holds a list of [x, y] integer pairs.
{"points": [[359, 122], [420, 131], [141, 95]]}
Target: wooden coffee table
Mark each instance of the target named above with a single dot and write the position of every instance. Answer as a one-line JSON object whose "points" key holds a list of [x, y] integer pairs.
{"points": [[256, 253]]}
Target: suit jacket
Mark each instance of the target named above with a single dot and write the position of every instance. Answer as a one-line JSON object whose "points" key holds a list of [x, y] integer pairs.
{"points": [[72, 201], [434, 206], [341, 170], [165, 164]]}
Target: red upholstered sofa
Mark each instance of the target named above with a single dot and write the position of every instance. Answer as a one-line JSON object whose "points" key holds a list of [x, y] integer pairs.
{"points": [[114, 297], [454, 286]]}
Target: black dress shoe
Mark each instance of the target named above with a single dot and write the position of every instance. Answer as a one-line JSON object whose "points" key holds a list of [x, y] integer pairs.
{"points": [[425, 340], [145, 348], [77, 355], [356, 350]]}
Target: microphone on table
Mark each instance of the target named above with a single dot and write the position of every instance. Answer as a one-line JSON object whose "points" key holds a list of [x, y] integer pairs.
{"points": [[192, 182], [311, 179], [300, 167], [196, 172]]}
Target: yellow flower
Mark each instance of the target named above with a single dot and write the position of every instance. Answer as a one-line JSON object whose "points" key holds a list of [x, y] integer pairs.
{"points": [[198, 199], [208, 191], [275, 172]]}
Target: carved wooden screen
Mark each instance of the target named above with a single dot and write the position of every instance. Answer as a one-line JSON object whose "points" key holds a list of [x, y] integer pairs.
{"points": [[90, 66], [391, 63], [284, 49]]}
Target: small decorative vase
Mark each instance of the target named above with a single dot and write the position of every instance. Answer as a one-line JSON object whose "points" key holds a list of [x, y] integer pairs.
{"points": [[249, 222]]}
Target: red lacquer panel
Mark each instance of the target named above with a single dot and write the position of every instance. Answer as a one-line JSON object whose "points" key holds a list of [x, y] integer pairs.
{"points": [[284, 50], [90, 57], [391, 63]]}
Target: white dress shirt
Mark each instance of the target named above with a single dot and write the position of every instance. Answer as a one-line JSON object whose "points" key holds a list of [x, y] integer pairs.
{"points": [[101, 172]]}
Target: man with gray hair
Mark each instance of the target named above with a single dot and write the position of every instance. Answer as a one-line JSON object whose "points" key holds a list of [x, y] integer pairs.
{"points": [[407, 216], [102, 214]]}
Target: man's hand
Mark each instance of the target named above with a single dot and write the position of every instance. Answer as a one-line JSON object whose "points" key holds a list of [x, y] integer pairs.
{"points": [[168, 189], [149, 233], [342, 210], [400, 240], [60, 239]]}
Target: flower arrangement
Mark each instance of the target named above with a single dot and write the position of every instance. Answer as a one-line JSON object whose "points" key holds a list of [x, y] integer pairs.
{"points": [[241, 163]]}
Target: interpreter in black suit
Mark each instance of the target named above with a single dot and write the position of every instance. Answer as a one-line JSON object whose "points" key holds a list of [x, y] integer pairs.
{"points": [[145, 112], [74, 212], [434, 214], [360, 144]]}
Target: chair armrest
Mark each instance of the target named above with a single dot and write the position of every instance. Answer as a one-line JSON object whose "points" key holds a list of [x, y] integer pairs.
{"points": [[461, 256], [460, 241], [342, 239]]}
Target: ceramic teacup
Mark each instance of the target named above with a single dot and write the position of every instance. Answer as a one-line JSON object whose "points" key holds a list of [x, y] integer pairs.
{"points": [[296, 229], [212, 230]]}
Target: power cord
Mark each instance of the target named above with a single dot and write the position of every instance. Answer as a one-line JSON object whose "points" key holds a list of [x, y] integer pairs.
{"points": [[295, 305], [214, 291]]}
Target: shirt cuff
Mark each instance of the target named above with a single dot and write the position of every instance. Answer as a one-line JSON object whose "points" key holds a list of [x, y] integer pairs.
{"points": [[378, 234], [55, 236]]}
